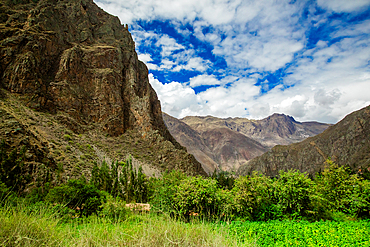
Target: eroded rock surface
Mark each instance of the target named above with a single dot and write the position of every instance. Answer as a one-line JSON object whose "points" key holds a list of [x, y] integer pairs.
{"points": [[70, 56]]}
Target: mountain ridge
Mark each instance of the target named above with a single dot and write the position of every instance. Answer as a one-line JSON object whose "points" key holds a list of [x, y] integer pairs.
{"points": [[230, 142], [347, 143]]}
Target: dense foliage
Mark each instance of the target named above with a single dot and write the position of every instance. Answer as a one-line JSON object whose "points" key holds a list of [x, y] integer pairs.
{"points": [[292, 195], [122, 180], [333, 194], [251, 209]]}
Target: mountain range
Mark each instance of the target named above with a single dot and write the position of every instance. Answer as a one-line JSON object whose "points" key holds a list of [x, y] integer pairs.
{"points": [[74, 94], [227, 144], [346, 143]]}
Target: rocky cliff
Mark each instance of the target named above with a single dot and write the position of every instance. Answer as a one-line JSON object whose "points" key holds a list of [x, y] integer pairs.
{"points": [[72, 60], [346, 143], [228, 144]]}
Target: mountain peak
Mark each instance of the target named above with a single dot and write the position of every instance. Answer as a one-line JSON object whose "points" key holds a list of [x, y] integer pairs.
{"points": [[226, 143], [346, 143]]}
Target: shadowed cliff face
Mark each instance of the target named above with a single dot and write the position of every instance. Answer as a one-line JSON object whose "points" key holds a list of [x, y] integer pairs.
{"points": [[346, 143], [70, 56], [74, 57]]}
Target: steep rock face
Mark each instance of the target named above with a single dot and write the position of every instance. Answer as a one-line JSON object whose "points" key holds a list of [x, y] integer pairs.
{"points": [[346, 143], [70, 56]]}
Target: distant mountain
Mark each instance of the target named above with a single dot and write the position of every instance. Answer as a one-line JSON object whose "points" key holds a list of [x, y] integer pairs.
{"points": [[346, 143], [277, 129], [227, 144]]}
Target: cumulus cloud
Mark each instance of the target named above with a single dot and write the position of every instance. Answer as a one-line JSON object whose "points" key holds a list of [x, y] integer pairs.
{"points": [[203, 80], [343, 5], [321, 78]]}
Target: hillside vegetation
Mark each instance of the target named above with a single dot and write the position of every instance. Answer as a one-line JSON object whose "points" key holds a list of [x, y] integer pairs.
{"points": [[185, 210], [291, 195]]}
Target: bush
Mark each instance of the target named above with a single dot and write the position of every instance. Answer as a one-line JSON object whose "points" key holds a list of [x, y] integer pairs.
{"points": [[343, 191], [122, 180], [254, 197], [292, 193], [84, 198], [179, 195], [6, 195], [115, 209], [164, 190], [196, 195], [12, 168]]}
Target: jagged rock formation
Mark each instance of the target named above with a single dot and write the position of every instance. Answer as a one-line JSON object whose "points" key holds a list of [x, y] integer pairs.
{"points": [[227, 144], [72, 59], [346, 143]]}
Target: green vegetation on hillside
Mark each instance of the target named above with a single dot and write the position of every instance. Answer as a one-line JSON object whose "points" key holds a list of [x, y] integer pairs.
{"points": [[220, 207], [335, 192]]}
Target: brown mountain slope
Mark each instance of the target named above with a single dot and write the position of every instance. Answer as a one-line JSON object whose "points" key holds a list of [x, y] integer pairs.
{"points": [[277, 129], [214, 147], [231, 149], [192, 140], [227, 144], [347, 143], [76, 67]]}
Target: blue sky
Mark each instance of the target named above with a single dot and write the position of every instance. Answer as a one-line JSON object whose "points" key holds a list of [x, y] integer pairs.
{"points": [[241, 58]]}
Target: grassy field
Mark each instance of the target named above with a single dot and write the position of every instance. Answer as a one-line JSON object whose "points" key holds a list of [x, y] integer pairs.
{"points": [[24, 226], [40, 226]]}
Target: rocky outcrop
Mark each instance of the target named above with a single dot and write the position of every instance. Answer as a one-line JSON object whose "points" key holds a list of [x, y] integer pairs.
{"points": [[347, 143], [70, 56], [74, 57]]}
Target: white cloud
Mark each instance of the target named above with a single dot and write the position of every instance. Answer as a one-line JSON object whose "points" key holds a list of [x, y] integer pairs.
{"points": [[145, 57], [324, 82], [343, 5], [168, 45], [176, 99], [274, 45], [203, 80]]}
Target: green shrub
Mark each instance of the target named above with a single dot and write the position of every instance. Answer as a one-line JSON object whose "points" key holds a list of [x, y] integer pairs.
{"points": [[5, 194], [164, 190], [197, 195], [12, 168], [67, 137], [344, 192], [225, 180], [115, 209], [292, 193], [254, 197], [85, 198], [122, 180]]}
